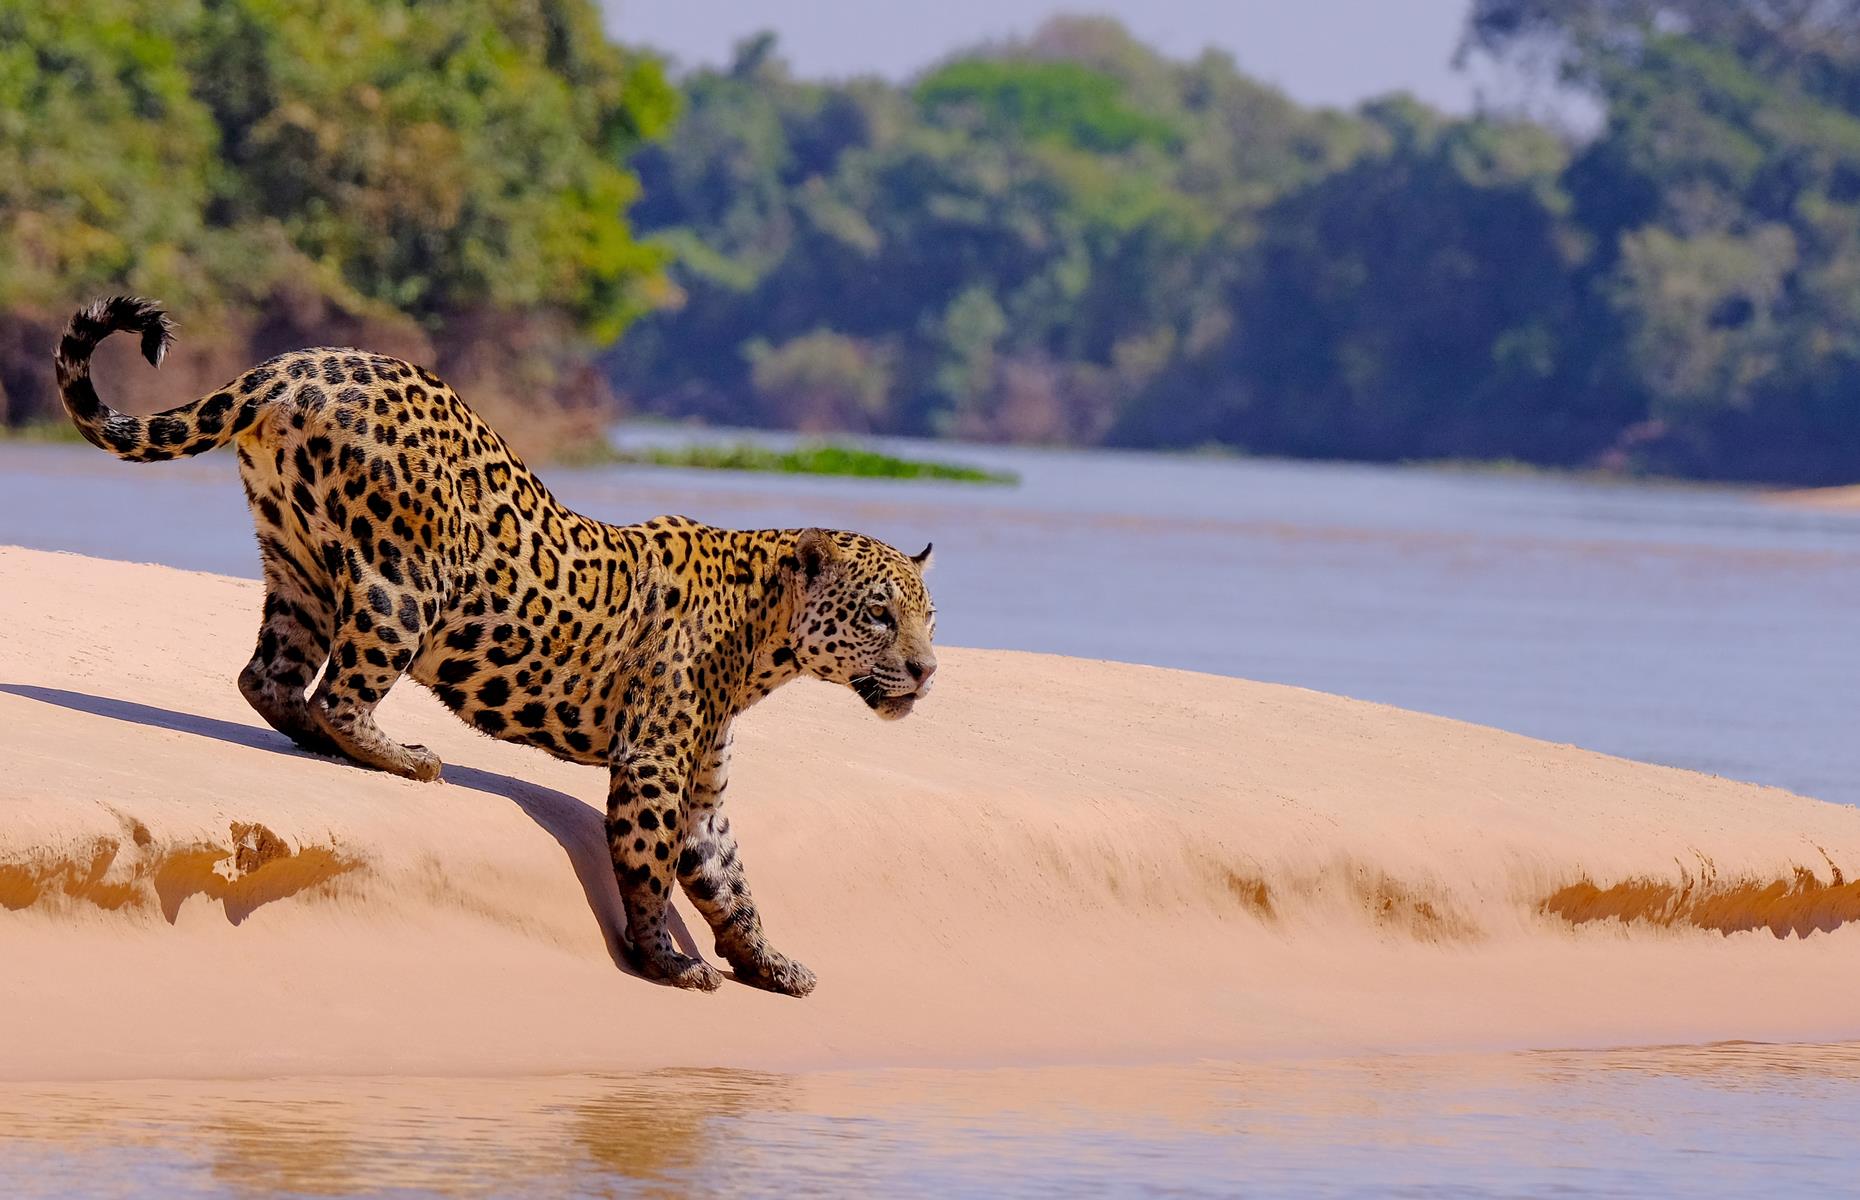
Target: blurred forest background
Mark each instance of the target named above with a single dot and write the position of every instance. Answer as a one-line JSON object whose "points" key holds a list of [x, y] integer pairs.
{"points": [[1063, 239]]}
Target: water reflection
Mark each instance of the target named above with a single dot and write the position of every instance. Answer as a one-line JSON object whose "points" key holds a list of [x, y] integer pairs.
{"points": [[1719, 1120], [675, 1124], [342, 1137]]}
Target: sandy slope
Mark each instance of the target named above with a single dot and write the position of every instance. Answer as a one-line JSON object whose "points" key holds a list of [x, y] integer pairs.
{"points": [[1053, 860]]}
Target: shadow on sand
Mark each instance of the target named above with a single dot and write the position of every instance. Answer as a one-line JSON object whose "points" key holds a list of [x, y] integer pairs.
{"points": [[575, 826]]}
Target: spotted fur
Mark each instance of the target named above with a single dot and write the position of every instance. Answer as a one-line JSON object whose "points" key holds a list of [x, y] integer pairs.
{"points": [[400, 536]]}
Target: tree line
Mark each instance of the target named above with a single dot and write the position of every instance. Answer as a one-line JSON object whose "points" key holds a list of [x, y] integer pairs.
{"points": [[1070, 238], [1066, 237]]}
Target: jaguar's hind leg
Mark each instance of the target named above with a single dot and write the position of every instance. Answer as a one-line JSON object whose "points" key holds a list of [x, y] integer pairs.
{"points": [[376, 636], [292, 644]]}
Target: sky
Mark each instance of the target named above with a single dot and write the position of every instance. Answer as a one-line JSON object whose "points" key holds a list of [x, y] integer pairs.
{"points": [[1333, 52]]}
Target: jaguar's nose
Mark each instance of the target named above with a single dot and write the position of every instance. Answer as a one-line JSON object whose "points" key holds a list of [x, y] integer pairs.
{"points": [[920, 671]]}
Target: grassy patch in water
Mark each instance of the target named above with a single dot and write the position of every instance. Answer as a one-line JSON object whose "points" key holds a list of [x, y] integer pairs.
{"points": [[821, 459], [41, 431], [824, 459]]}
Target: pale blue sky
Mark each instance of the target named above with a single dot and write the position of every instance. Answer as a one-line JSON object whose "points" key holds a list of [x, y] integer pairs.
{"points": [[1320, 51]]}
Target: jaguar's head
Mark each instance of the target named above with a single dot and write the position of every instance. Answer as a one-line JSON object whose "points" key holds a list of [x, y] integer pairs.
{"points": [[865, 619]]}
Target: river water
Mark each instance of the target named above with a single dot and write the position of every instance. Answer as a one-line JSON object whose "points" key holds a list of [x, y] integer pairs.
{"points": [[1735, 1120], [1702, 628], [1696, 627]]}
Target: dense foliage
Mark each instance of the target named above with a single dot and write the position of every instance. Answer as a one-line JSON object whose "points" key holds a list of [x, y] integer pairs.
{"points": [[1063, 239], [1071, 238], [279, 171]]}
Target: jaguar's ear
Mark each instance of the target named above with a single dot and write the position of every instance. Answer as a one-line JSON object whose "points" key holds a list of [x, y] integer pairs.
{"points": [[923, 560], [814, 551]]}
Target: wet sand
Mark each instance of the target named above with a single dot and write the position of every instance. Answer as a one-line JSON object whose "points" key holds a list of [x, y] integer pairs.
{"points": [[1055, 860]]}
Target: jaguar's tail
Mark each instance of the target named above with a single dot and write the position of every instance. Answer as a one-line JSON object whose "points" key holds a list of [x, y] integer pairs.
{"points": [[190, 429]]}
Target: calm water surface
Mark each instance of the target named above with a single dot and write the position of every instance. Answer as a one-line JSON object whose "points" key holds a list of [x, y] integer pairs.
{"points": [[1735, 1120], [1694, 627]]}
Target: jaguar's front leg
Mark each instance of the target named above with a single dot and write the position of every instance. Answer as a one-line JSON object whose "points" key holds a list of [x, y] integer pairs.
{"points": [[646, 831], [711, 871]]}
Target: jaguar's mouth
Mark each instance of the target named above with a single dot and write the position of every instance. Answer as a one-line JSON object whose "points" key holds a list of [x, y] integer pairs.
{"points": [[888, 705]]}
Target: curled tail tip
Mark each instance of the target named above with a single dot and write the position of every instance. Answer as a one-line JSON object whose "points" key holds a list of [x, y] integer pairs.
{"points": [[97, 320], [144, 316]]}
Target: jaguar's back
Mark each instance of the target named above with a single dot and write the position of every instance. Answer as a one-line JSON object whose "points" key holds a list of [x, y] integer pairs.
{"points": [[398, 532]]}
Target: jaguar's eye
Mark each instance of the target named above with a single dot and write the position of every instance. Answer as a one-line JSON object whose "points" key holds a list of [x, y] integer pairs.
{"points": [[878, 612]]}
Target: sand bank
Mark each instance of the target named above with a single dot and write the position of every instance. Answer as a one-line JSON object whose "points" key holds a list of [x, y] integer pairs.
{"points": [[1842, 498], [1054, 860]]}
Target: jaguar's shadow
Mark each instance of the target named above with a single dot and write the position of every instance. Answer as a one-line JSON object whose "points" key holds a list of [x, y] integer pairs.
{"points": [[576, 827]]}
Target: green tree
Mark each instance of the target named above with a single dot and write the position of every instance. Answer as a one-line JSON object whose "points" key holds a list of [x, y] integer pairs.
{"points": [[1063, 101], [440, 158], [443, 179], [106, 157], [821, 381], [1419, 303], [1025, 229], [1071, 237]]}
